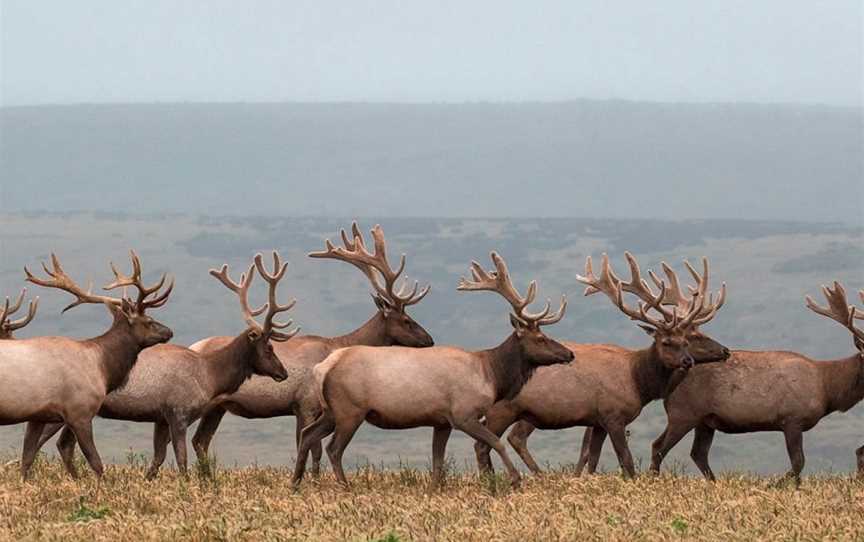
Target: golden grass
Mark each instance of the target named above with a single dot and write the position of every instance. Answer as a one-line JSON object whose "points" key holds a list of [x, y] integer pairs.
{"points": [[257, 503]]}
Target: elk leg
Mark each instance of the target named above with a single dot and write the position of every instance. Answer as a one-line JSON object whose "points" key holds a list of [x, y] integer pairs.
{"points": [[583, 451], [49, 431], [795, 447], [598, 437], [206, 429], [665, 442], [618, 435], [482, 434], [302, 421], [84, 433], [440, 436], [518, 439], [702, 439], [161, 436], [66, 448], [178, 441], [497, 421], [31, 441], [342, 435], [312, 434]]}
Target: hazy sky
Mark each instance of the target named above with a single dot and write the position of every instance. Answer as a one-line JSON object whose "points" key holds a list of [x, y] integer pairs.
{"points": [[500, 50]]}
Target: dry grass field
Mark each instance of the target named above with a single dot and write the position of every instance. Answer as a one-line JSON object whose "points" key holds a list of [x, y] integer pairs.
{"points": [[256, 503]]}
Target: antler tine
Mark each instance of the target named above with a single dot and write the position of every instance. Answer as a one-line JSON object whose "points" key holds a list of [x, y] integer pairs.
{"points": [[10, 310], [494, 281], [273, 307], [61, 281], [555, 318], [641, 312], [708, 313], [12, 325], [839, 311]]}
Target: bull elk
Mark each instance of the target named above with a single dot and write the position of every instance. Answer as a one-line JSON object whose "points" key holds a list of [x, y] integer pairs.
{"points": [[391, 325], [171, 385], [442, 387], [766, 391], [609, 385], [54, 379], [7, 326]]}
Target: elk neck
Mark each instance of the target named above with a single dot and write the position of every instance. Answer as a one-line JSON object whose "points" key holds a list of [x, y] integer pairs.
{"points": [[229, 366], [650, 375], [118, 352], [843, 382], [507, 369], [372, 333]]}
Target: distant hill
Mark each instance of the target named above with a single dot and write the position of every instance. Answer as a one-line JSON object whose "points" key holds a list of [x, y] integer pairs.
{"points": [[587, 158]]}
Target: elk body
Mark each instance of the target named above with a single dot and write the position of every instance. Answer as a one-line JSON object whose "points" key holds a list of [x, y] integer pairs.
{"points": [[171, 386], [7, 326], [766, 391], [441, 387], [391, 325], [57, 379], [609, 385]]}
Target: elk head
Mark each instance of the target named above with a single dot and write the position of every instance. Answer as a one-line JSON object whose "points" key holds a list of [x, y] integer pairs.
{"points": [[127, 313], [263, 360], [7, 326], [399, 327], [677, 339], [534, 346], [839, 311]]}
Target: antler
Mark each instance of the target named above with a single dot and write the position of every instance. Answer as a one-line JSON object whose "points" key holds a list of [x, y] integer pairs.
{"points": [[839, 311], [122, 281], [499, 281], [8, 326], [355, 253], [273, 308], [60, 280], [609, 284], [682, 302]]}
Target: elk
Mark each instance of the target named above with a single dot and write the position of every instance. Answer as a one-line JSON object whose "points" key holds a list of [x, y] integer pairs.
{"points": [[171, 386], [57, 379], [442, 387], [608, 385], [767, 391], [391, 325], [7, 326]]}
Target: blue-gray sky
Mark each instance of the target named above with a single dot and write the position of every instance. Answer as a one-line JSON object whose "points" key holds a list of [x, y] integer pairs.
{"points": [[450, 51]]}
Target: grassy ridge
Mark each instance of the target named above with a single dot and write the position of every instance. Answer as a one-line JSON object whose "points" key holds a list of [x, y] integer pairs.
{"points": [[257, 503]]}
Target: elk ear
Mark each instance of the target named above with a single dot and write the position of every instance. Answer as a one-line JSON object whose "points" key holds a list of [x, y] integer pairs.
{"points": [[253, 335], [517, 325], [383, 305], [649, 330], [126, 309]]}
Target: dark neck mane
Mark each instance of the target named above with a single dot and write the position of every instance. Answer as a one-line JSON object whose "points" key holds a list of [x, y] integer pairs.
{"points": [[119, 352], [843, 382], [229, 366], [508, 370], [372, 333], [651, 377]]}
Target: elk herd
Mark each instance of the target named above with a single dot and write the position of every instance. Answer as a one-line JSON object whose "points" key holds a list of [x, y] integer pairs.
{"points": [[389, 373]]}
